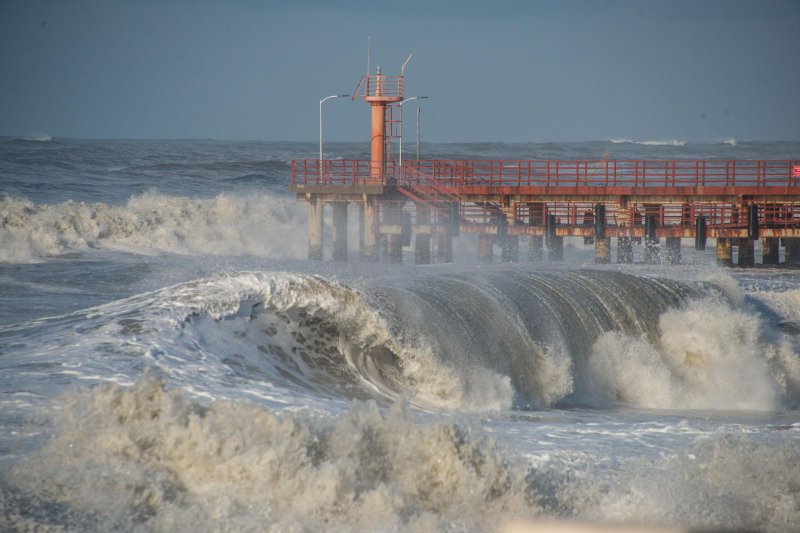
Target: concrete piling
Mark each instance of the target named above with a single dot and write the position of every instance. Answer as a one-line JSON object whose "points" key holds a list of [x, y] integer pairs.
{"points": [[340, 231], [624, 250], [673, 250], [746, 253], [315, 223], [486, 248], [724, 252], [602, 250], [769, 250], [535, 248]]}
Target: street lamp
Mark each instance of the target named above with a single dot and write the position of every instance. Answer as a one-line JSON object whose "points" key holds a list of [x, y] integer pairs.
{"points": [[320, 124], [401, 121]]}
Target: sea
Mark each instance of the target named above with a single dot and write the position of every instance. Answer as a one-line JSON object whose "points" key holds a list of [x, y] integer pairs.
{"points": [[171, 361]]}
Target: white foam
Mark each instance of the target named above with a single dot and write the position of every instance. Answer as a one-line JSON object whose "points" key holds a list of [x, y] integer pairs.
{"points": [[150, 458], [255, 224], [709, 356], [667, 142]]}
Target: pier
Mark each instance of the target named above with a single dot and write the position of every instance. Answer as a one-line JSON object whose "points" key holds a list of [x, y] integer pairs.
{"points": [[531, 205]]}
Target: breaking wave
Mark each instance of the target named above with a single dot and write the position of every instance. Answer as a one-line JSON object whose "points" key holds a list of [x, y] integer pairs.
{"points": [[153, 223], [591, 338], [201, 439], [668, 142], [146, 457]]}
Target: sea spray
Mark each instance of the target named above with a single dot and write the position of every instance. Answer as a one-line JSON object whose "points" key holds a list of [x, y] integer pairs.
{"points": [[150, 223], [149, 457]]}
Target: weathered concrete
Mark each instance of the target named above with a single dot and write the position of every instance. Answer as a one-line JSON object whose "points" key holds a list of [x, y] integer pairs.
{"points": [[316, 210], [673, 250], [746, 256], [340, 231], [602, 250], [486, 248], [770, 249], [724, 252]]}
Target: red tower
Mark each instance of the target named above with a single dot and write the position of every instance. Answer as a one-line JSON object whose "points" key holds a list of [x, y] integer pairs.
{"points": [[380, 91]]}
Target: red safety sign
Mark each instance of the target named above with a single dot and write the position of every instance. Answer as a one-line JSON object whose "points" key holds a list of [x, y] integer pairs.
{"points": [[796, 171]]}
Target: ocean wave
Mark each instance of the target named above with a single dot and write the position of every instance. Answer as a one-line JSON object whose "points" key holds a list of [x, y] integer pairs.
{"points": [[668, 142], [596, 339], [150, 457], [257, 224]]}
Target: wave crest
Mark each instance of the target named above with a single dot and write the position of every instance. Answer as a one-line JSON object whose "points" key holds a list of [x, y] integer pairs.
{"points": [[260, 225]]}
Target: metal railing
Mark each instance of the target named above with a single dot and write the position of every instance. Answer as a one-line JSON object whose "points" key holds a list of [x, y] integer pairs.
{"points": [[380, 85], [454, 175], [342, 172], [585, 173]]}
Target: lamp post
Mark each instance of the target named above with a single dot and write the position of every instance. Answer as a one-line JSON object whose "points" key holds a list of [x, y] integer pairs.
{"points": [[401, 121], [320, 125], [418, 113]]}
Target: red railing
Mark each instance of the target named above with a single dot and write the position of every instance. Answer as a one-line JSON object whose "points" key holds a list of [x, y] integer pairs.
{"points": [[630, 174], [342, 172], [455, 175], [379, 85]]}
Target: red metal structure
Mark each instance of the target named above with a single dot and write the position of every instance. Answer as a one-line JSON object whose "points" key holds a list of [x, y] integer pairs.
{"points": [[734, 201]]}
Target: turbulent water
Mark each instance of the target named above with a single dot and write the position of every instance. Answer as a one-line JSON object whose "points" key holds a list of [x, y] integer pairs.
{"points": [[170, 362]]}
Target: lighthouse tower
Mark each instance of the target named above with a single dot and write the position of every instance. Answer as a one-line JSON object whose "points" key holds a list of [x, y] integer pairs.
{"points": [[380, 91]]}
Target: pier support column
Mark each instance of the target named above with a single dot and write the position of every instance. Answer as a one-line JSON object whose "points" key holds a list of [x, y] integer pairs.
{"points": [[315, 219], [394, 217], [369, 239], [746, 255], [724, 252], [770, 247], [555, 252], [792, 250], [340, 231], [555, 244], [602, 250], [652, 244], [624, 250], [486, 248], [444, 247], [673, 250], [535, 248], [509, 249], [422, 241]]}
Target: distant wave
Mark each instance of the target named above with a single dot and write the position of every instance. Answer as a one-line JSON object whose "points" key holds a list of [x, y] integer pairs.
{"points": [[37, 137], [260, 225], [731, 141], [670, 142]]}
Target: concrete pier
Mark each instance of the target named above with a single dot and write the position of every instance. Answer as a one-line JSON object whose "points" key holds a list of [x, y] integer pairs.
{"points": [[369, 237], [509, 249], [602, 250], [792, 250], [673, 250], [724, 252], [555, 249], [340, 231], [422, 241], [535, 248], [444, 248], [652, 244], [624, 250], [486, 248], [746, 253], [315, 222], [770, 248]]}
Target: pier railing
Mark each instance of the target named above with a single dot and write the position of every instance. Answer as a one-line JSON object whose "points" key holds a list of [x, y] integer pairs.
{"points": [[612, 173], [777, 176], [341, 172]]}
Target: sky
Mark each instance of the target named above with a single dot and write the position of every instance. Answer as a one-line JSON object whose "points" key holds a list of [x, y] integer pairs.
{"points": [[494, 71]]}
